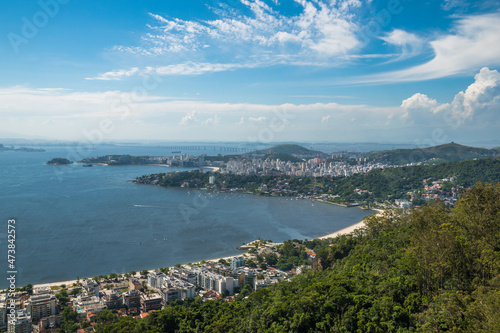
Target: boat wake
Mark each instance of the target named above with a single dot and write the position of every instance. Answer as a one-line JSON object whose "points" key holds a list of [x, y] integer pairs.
{"points": [[148, 206]]}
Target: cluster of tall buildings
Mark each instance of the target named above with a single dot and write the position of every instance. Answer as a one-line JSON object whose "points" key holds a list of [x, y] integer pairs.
{"points": [[315, 167], [213, 277], [39, 309]]}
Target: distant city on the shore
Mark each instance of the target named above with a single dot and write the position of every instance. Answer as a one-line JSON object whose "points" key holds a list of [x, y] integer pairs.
{"points": [[383, 180]]}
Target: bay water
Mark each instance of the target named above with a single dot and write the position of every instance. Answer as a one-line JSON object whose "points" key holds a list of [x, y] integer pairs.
{"points": [[74, 221]]}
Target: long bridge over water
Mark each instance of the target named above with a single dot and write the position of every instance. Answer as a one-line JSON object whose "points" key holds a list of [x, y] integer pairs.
{"points": [[207, 148]]}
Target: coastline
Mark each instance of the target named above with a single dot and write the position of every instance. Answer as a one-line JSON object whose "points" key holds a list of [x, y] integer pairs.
{"points": [[352, 228], [343, 231]]}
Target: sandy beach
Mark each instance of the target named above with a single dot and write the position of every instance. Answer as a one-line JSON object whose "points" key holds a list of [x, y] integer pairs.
{"points": [[351, 228], [344, 231]]}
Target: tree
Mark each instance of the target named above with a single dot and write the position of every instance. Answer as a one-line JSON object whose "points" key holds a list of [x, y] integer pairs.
{"points": [[28, 288], [271, 259], [75, 291], [223, 262], [62, 297], [262, 265], [250, 263], [144, 272], [113, 276]]}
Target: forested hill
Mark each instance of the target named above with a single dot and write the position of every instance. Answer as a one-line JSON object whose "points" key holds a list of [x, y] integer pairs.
{"points": [[429, 270], [395, 182], [289, 149], [439, 154]]}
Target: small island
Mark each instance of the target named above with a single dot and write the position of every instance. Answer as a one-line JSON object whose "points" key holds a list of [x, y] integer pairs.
{"points": [[59, 161]]}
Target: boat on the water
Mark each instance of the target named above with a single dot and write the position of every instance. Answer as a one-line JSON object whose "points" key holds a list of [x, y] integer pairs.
{"points": [[87, 165]]}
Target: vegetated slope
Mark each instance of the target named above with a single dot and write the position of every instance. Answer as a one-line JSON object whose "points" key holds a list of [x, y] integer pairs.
{"points": [[427, 270], [59, 161], [290, 150], [439, 154], [395, 182]]}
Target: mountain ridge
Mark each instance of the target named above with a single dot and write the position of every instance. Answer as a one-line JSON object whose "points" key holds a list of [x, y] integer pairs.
{"points": [[450, 152]]}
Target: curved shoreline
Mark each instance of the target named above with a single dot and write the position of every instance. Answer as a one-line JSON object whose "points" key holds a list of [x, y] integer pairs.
{"points": [[340, 232]]}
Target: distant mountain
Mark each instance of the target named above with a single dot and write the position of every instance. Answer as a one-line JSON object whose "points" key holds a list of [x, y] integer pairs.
{"points": [[289, 149], [450, 152]]}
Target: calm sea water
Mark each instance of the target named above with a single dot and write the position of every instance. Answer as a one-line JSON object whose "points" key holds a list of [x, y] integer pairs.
{"points": [[78, 222]]}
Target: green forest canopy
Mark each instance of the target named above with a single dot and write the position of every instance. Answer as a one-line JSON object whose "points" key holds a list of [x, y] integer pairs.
{"points": [[433, 269]]}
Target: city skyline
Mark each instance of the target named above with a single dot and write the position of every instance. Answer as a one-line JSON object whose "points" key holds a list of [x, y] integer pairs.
{"points": [[251, 70]]}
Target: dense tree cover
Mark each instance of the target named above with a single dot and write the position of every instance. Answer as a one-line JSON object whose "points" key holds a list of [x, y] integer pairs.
{"points": [[384, 184], [291, 256], [59, 161], [290, 149], [438, 154], [393, 183], [118, 160], [426, 270]]}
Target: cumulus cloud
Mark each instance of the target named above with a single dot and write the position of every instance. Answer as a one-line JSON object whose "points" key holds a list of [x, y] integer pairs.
{"points": [[70, 114], [212, 120], [481, 96], [189, 119]]}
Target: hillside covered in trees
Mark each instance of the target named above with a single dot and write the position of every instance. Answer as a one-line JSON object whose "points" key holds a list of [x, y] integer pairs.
{"points": [[393, 183], [450, 152], [432, 269]]}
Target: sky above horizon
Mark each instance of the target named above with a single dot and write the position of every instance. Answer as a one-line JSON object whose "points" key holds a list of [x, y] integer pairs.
{"points": [[401, 71]]}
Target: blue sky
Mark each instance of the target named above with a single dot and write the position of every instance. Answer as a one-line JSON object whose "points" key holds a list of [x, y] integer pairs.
{"points": [[251, 70]]}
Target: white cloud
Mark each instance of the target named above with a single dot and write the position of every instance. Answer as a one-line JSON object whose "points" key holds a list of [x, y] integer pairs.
{"points": [[450, 4], [66, 114], [473, 43], [212, 121], [320, 29], [257, 119], [190, 68], [409, 43], [185, 68], [480, 97], [189, 119], [116, 75]]}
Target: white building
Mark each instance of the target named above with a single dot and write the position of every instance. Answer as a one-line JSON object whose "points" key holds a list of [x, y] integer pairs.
{"points": [[40, 306], [3, 311], [91, 287], [22, 323], [156, 279]]}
